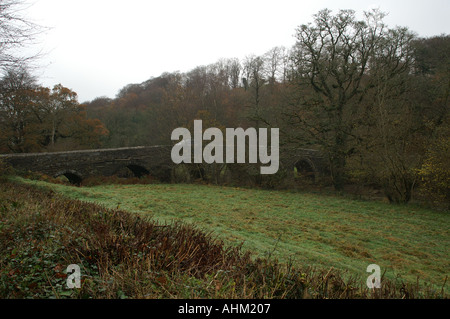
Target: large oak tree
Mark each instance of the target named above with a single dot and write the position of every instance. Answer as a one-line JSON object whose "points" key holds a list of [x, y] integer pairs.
{"points": [[338, 61]]}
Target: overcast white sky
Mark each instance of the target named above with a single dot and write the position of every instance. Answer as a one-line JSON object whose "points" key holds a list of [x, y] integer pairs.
{"points": [[95, 47]]}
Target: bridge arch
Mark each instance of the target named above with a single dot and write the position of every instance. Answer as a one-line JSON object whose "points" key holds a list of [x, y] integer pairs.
{"points": [[73, 176], [305, 167], [138, 170]]}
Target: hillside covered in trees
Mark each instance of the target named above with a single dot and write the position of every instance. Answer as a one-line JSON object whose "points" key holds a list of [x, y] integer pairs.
{"points": [[372, 98]]}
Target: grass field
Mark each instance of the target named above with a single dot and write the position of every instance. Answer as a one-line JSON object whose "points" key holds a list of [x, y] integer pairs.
{"points": [[308, 229]]}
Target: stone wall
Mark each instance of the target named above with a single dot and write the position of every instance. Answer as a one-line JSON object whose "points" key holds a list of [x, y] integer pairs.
{"points": [[153, 160], [104, 162]]}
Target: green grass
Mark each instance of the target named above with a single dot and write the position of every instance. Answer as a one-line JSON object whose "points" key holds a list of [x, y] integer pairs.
{"points": [[310, 229]]}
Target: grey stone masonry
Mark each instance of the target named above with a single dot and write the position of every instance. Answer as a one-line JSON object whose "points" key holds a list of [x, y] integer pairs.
{"points": [[141, 160], [154, 160]]}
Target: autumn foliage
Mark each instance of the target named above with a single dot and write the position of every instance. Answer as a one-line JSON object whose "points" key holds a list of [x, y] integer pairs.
{"points": [[35, 118]]}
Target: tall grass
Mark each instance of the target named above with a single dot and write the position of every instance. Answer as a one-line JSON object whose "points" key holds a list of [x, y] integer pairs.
{"points": [[318, 230], [123, 255]]}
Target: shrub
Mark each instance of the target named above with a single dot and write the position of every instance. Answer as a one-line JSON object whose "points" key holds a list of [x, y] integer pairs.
{"points": [[435, 172], [5, 170]]}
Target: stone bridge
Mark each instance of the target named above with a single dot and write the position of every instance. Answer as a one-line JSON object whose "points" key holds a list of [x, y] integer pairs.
{"points": [[141, 160], [77, 165], [310, 163]]}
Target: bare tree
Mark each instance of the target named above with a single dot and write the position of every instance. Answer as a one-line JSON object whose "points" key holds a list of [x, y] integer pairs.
{"points": [[336, 61], [16, 33], [274, 63], [234, 71], [254, 81]]}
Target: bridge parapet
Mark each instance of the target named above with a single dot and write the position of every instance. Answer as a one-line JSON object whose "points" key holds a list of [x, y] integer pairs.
{"points": [[106, 162], [154, 160]]}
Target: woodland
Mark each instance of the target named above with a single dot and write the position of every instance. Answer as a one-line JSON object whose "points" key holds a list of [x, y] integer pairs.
{"points": [[373, 99]]}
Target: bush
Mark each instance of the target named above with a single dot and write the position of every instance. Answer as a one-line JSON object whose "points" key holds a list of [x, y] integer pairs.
{"points": [[435, 172], [5, 170]]}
